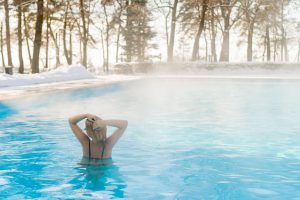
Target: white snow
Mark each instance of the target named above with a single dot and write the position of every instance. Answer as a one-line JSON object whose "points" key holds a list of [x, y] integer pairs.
{"points": [[65, 73], [60, 79]]}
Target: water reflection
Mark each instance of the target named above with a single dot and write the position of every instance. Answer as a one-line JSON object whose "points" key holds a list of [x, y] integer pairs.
{"points": [[105, 177]]}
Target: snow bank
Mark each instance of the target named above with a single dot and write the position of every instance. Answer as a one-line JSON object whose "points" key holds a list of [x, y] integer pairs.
{"points": [[66, 73]]}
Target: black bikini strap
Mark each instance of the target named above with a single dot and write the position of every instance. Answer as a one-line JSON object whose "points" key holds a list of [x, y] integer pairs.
{"points": [[89, 149], [103, 151]]}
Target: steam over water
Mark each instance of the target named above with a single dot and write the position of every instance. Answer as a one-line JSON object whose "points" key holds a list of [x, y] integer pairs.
{"points": [[188, 138]]}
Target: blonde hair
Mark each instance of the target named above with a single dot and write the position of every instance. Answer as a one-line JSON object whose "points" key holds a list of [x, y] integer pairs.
{"points": [[99, 136]]}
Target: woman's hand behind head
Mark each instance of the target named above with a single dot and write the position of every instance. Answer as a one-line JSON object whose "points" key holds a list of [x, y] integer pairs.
{"points": [[91, 117]]}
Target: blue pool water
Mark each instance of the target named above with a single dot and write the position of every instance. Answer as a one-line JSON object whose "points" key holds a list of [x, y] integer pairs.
{"points": [[187, 138]]}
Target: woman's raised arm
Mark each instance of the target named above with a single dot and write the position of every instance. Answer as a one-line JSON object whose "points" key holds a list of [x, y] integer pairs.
{"points": [[81, 136], [121, 125]]}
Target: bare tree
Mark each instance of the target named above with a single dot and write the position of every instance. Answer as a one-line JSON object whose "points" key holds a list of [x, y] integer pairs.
{"points": [[226, 7], [38, 37], [55, 39], [117, 20], [213, 34], [194, 16], [57, 25], [21, 62], [85, 34], [1, 45], [47, 34], [166, 8], [200, 29], [250, 8], [8, 45], [68, 53], [283, 44], [172, 33], [27, 36], [107, 31], [267, 17], [268, 43]]}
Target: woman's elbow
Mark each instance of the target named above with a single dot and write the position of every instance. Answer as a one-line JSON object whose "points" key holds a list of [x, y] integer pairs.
{"points": [[125, 123], [70, 120]]}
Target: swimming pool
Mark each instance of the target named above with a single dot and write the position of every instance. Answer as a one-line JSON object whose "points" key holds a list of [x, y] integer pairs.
{"points": [[188, 138]]}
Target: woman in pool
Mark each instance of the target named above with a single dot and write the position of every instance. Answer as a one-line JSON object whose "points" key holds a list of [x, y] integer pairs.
{"points": [[95, 144]]}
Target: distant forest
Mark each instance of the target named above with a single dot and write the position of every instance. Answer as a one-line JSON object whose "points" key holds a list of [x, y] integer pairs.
{"points": [[32, 32]]}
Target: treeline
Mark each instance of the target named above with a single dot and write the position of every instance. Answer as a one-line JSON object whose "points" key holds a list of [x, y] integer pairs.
{"points": [[126, 27]]}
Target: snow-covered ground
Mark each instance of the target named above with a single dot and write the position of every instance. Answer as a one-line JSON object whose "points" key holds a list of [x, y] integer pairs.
{"points": [[60, 74], [76, 76], [60, 79]]}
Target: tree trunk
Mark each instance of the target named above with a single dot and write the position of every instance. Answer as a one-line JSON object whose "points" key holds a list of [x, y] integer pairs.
{"points": [[167, 32], [88, 26], [200, 29], [282, 33], [264, 51], [172, 33], [118, 41], [70, 46], [9, 58], [21, 62], [55, 41], [80, 46], [103, 51], [47, 38], [65, 45], [286, 53], [250, 43], [213, 37], [275, 48], [282, 45], [143, 46], [1, 45], [139, 46], [106, 39], [206, 47], [57, 50], [119, 31], [268, 43], [38, 37], [82, 12], [27, 38], [68, 58], [128, 45], [225, 44]]}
